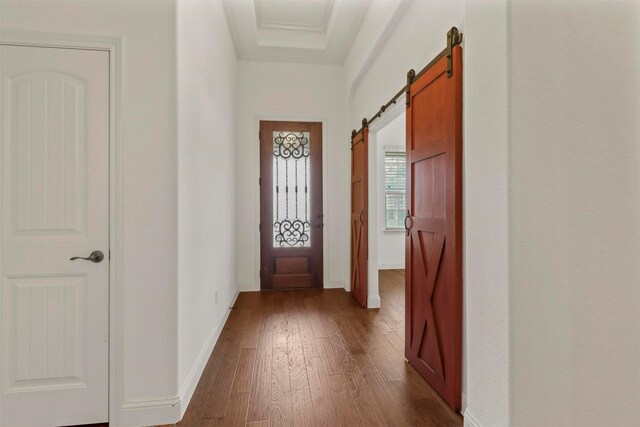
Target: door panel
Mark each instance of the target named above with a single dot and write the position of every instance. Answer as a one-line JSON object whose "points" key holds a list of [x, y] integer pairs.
{"points": [[359, 215], [55, 168], [433, 342], [291, 219]]}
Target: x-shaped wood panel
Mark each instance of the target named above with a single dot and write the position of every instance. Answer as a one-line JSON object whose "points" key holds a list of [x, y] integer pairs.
{"points": [[356, 238], [424, 317]]}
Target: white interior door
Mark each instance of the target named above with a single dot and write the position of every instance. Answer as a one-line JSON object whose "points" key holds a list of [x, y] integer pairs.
{"points": [[54, 112]]}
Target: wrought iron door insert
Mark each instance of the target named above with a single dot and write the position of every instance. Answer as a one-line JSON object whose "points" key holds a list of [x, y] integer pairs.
{"points": [[291, 198]]}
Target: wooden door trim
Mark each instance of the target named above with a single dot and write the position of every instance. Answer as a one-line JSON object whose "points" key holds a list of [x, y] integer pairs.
{"points": [[114, 46]]}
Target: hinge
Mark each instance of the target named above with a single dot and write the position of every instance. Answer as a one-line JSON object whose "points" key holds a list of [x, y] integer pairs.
{"points": [[260, 181], [260, 227], [260, 135], [454, 38], [109, 254]]}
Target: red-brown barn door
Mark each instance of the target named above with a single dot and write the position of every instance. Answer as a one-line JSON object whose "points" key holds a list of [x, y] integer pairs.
{"points": [[433, 342], [359, 214], [291, 219]]}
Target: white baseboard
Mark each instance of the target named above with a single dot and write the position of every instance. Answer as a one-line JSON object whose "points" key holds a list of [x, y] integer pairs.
{"points": [[329, 284], [248, 287], [373, 301], [149, 412], [334, 284], [391, 266], [191, 382], [469, 420]]}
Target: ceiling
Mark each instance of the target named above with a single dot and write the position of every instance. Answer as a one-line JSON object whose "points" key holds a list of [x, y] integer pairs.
{"points": [[317, 31]]}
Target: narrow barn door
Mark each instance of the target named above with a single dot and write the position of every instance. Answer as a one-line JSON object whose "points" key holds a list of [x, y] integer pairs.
{"points": [[291, 219], [359, 214], [434, 227], [55, 202]]}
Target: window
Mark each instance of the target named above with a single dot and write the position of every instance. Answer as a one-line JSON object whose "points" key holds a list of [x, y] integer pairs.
{"points": [[395, 184]]}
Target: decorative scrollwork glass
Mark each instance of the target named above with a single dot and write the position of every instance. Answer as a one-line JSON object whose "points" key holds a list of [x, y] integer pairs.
{"points": [[291, 189]]}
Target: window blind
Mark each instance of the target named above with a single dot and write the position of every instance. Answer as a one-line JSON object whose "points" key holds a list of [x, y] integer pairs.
{"points": [[395, 178]]}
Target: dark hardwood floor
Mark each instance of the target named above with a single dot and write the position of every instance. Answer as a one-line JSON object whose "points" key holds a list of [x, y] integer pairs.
{"points": [[314, 358]]}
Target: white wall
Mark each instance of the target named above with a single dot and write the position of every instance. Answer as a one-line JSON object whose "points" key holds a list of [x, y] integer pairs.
{"points": [[207, 84], [390, 243], [486, 270], [380, 22], [295, 92], [149, 354], [575, 213]]}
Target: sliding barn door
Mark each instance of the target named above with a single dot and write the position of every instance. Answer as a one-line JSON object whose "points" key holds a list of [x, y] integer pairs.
{"points": [[434, 227], [359, 215]]}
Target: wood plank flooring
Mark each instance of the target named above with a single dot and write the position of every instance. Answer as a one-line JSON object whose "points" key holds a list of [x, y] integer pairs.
{"points": [[314, 358]]}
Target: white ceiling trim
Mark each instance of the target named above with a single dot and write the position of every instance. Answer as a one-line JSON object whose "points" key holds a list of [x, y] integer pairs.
{"points": [[314, 31], [263, 23], [287, 59]]}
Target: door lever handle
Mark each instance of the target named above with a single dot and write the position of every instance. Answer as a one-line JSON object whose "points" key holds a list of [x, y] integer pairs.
{"points": [[95, 256]]}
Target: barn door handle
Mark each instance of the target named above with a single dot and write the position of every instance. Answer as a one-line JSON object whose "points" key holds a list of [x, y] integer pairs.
{"points": [[406, 227], [361, 217], [95, 256]]}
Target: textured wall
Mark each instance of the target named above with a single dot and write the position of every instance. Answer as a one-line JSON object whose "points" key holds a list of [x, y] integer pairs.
{"points": [[575, 213]]}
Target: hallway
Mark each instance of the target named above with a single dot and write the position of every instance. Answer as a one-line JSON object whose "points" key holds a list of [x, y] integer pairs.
{"points": [[314, 357]]}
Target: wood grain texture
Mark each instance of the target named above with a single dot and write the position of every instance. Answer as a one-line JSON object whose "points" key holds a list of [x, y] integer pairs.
{"points": [[280, 389], [315, 358], [359, 215], [433, 246]]}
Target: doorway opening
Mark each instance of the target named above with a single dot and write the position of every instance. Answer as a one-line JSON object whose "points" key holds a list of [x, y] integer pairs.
{"points": [[387, 208], [291, 217], [390, 187]]}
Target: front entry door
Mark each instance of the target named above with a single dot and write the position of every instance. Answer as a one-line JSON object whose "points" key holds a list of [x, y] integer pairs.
{"points": [[54, 312], [291, 219], [433, 276], [359, 215]]}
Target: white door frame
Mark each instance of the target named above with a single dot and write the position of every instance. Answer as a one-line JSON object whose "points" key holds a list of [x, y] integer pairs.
{"points": [[113, 46], [391, 113]]}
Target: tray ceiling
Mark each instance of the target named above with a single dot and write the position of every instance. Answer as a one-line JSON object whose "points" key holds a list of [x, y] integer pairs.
{"points": [[318, 31]]}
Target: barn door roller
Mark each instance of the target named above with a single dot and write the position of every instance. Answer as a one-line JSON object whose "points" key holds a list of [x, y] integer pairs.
{"points": [[454, 38]]}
